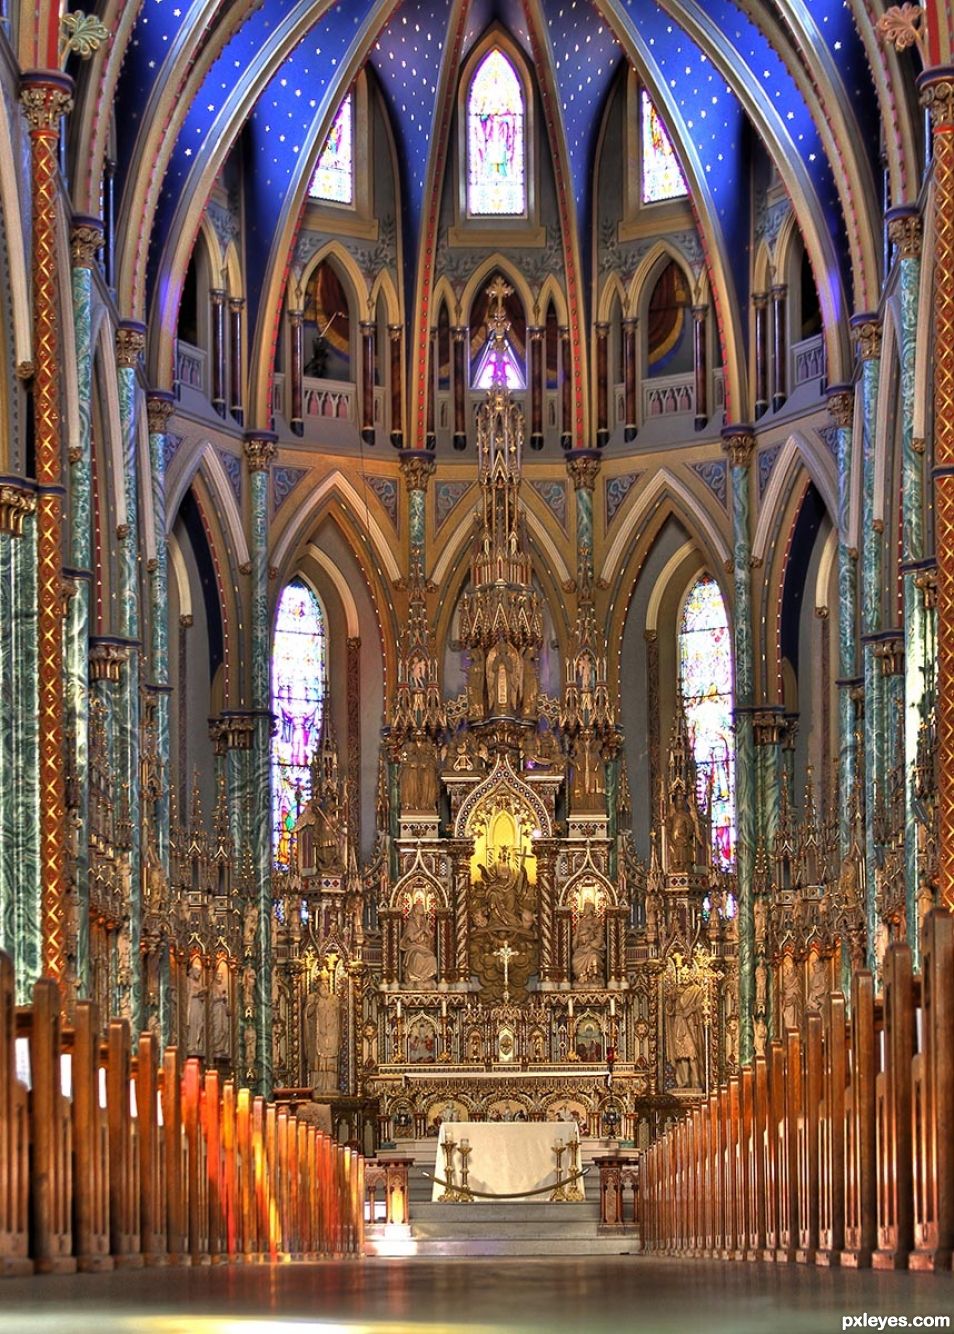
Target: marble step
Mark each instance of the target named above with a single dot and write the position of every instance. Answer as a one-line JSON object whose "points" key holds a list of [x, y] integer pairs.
{"points": [[485, 1215], [474, 1247]]}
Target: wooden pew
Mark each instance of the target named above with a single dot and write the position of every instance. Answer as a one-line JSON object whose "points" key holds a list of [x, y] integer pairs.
{"points": [[787, 1148], [91, 1195], [861, 1201], [14, 1139], [811, 1075], [774, 1111], [831, 1136], [197, 1191], [51, 1136], [176, 1157], [895, 1188], [152, 1227], [124, 1202], [757, 1099], [933, 1093]]}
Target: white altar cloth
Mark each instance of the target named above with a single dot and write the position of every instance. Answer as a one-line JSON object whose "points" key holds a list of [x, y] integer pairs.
{"points": [[508, 1156]]}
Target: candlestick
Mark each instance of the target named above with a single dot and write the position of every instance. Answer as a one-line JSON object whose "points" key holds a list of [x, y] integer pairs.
{"points": [[612, 1005]]}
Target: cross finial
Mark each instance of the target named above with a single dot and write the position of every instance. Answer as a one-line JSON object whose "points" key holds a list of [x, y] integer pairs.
{"points": [[505, 954]]}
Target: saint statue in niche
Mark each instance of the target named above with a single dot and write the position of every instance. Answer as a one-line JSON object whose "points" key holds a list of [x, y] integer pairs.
{"points": [[220, 1023], [684, 834], [589, 776], [684, 1034], [195, 1008], [416, 945], [418, 777], [589, 946], [327, 1038], [504, 671]]}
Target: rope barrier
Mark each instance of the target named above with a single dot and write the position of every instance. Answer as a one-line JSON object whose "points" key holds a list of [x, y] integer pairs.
{"points": [[514, 1195]]}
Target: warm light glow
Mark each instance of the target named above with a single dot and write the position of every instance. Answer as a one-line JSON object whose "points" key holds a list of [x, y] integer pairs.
{"points": [[662, 174], [334, 175], [496, 155]]}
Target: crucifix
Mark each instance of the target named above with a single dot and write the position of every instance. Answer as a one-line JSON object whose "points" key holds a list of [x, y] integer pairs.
{"points": [[505, 954]]}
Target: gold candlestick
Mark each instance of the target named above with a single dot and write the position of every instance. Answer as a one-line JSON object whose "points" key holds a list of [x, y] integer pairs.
{"points": [[558, 1194], [464, 1194], [450, 1190]]}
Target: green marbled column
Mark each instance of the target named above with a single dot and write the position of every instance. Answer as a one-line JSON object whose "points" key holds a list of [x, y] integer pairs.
{"points": [[28, 954], [583, 465], [904, 230], [868, 329], [841, 402], [8, 722], [130, 340], [739, 444], [160, 406], [417, 465], [86, 239], [259, 449]]}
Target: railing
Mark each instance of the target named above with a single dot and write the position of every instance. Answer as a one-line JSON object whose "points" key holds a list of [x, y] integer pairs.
{"points": [[328, 398], [386, 1184], [190, 366], [668, 395], [835, 1147], [110, 1159], [808, 360]]}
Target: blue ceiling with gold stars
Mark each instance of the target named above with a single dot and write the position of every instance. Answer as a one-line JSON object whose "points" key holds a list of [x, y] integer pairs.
{"points": [[723, 75]]}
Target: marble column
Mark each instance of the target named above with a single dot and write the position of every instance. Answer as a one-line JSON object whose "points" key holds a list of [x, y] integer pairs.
{"points": [[396, 341], [86, 239], [760, 305], [236, 359], [459, 353], [217, 347], [583, 465], [45, 96], [535, 348], [418, 466], [937, 94], [700, 365], [353, 655], [739, 444], [430, 440], [368, 342], [130, 343], [259, 451], [629, 379], [296, 372], [779, 296], [602, 384], [904, 231], [867, 328], [159, 407], [841, 403], [566, 390]]}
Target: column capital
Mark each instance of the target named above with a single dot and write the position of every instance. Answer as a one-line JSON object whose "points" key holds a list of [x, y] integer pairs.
{"points": [[867, 329], [738, 441], [535, 333], [699, 314], [17, 500], [259, 449], [417, 465], [46, 96], [778, 291], [841, 404], [217, 295], [86, 238], [936, 87], [236, 303], [905, 230], [160, 405], [107, 658], [130, 343], [583, 465], [395, 331], [760, 300], [602, 328]]}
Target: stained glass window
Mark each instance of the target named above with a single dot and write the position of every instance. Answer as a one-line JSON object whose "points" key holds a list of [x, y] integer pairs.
{"points": [[496, 155], [503, 363], [705, 678], [662, 174], [334, 175], [298, 695]]}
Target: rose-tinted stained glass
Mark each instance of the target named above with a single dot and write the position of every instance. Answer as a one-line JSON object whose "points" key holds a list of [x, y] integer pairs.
{"points": [[334, 175], [662, 174], [499, 363], [298, 696], [705, 678], [496, 156]]}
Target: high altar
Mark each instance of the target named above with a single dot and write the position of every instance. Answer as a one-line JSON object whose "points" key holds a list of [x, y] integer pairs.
{"points": [[509, 957]]}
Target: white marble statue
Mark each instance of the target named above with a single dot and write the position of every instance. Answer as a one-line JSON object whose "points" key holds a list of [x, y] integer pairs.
{"points": [[195, 1008], [420, 961]]}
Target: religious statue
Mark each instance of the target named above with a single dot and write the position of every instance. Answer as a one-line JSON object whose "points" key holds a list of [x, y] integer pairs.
{"points": [[818, 984], [544, 750], [327, 852], [503, 914], [531, 684], [589, 946], [790, 995], [730, 1019], [416, 945], [248, 1042], [684, 835], [418, 777], [250, 924], [504, 885], [327, 1037], [195, 1008], [588, 791], [219, 1024], [684, 1034], [248, 988], [310, 1026], [476, 698], [504, 672]]}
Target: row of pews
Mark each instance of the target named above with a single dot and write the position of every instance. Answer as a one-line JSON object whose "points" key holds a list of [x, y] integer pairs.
{"points": [[117, 1157], [837, 1147]]}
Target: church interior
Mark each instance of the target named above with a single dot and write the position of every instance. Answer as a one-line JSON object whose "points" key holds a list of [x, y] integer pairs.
{"points": [[476, 663]]}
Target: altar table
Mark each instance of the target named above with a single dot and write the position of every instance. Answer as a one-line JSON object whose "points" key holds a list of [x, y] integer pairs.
{"points": [[508, 1156]]}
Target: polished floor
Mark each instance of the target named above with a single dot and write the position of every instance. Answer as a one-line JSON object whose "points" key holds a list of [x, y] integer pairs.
{"points": [[560, 1296]]}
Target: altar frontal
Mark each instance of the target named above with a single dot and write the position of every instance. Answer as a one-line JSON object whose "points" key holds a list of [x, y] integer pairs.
{"points": [[479, 1161]]}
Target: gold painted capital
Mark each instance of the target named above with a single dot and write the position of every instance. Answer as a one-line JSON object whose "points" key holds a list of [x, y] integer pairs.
{"points": [[938, 97], [130, 345], [44, 104], [841, 406], [418, 466], [106, 661], [905, 230], [159, 409], [867, 329], [739, 445], [259, 452], [15, 504], [584, 470], [86, 238]]}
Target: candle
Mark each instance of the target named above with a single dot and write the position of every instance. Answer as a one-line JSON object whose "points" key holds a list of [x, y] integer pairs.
{"points": [[443, 1007], [569, 1007], [399, 1008], [612, 1005]]}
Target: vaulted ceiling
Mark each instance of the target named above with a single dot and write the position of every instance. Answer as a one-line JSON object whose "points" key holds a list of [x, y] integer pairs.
{"points": [[193, 78]]}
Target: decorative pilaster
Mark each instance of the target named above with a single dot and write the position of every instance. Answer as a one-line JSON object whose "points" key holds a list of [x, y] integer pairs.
{"points": [[700, 365], [841, 406], [353, 652], [535, 344], [629, 379], [45, 97], [739, 444], [459, 353], [937, 94], [417, 465], [86, 239], [566, 390], [602, 384], [236, 359], [160, 406], [296, 372], [396, 342], [904, 231], [217, 348], [130, 343], [368, 348], [779, 295], [867, 328], [430, 439], [760, 306], [259, 451], [583, 465]]}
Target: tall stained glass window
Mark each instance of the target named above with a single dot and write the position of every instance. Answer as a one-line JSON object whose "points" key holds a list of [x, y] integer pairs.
{"points": [[496, 152], [334, 175], [299, 674], [662, 174], [705, 678]]}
